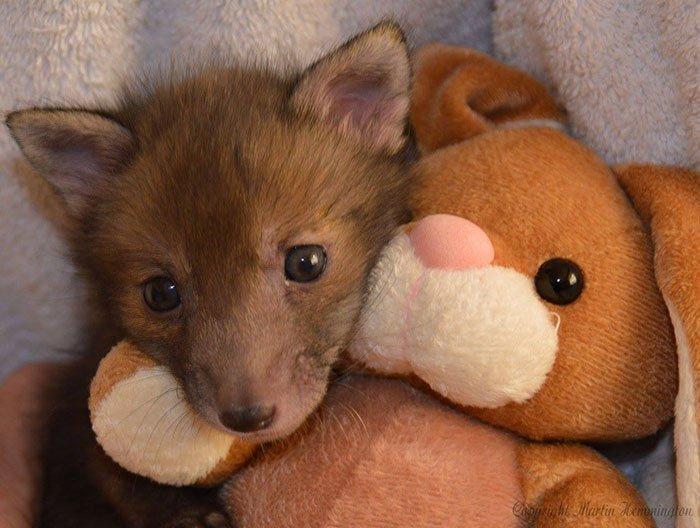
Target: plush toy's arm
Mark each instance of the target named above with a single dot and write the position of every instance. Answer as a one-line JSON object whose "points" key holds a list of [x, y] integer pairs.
{"points": [[143, 422], [570, 485]]}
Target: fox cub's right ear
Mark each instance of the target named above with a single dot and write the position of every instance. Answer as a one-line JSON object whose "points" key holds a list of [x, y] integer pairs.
{"points": [[459, 93], [361, 88], [76, 151]]}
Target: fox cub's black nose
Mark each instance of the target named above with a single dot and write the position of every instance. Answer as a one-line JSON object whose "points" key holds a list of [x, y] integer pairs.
{"points": [[248, 419]]}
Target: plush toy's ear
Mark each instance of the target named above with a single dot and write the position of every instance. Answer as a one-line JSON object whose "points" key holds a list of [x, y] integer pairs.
{"points": [[459, 93], [668, 200], [362, 88]]}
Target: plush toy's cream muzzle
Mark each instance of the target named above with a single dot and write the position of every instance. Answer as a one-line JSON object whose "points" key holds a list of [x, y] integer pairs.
{"points": [[479, 336]]}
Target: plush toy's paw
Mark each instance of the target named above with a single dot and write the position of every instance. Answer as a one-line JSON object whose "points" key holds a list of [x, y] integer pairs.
{"points": [[211, 519], [143, 422]]}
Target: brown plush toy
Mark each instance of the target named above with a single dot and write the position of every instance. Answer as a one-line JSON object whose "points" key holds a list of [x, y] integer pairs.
{"points": [[525, 291], [469, 302]]}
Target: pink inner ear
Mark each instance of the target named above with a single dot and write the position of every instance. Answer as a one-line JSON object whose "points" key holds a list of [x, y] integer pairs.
{"points": [[356, 99]]}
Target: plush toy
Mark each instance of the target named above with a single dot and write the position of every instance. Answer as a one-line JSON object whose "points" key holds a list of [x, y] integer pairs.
{"points": [[525, 293], [144, 424], [527, 289]]}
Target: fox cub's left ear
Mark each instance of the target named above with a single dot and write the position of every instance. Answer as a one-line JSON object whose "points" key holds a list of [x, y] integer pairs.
{"points": [[362, 88], [76, 151], [668, 200]]}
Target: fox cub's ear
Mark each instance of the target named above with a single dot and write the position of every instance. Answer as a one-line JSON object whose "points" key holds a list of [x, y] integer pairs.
{"points": [[362, 88], [75, 150], [459, 93], [668, 200]]}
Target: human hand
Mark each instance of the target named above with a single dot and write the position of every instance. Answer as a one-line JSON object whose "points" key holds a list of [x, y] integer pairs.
{"points": [[20, 420]]}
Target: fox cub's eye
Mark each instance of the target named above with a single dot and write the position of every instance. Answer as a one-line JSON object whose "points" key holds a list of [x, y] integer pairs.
{"points": [[304, 263], [160, 294], [559, 281]]}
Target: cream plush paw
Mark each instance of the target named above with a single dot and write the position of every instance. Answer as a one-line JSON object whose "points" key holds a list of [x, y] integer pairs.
{"points": [[144, 423]]}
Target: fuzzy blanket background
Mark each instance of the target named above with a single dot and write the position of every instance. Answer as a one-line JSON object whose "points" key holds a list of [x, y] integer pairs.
{"points": [[627, 72]]}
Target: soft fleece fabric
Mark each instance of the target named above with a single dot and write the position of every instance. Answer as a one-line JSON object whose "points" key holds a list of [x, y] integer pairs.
{"points": [[628, 73]]}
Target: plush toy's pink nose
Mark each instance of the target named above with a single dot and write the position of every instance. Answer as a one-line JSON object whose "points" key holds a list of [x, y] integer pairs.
{"points": [[450, 242]]}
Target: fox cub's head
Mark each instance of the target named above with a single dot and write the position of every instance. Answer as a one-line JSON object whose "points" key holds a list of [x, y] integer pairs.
{"points": [[230, 218]]}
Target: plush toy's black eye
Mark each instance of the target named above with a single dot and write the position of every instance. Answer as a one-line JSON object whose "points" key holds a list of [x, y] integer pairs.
{"points": [[160, 294], [304, 263], [559, 281]]}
